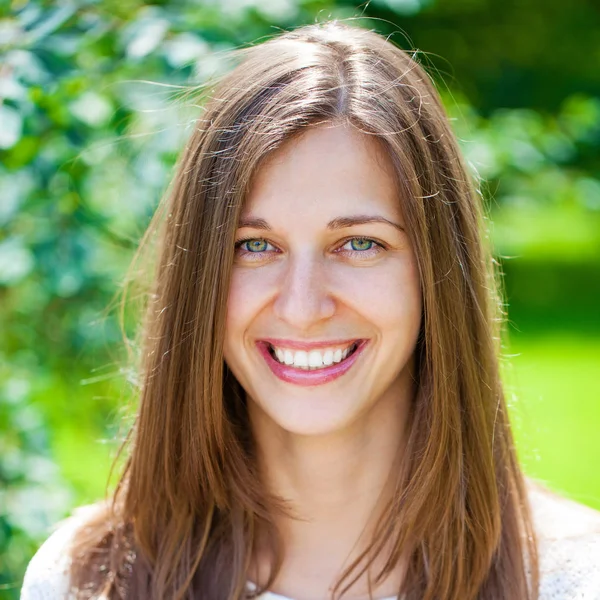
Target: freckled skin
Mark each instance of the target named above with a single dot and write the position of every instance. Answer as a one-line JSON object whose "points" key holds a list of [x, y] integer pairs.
{"points": [[307, 284]]}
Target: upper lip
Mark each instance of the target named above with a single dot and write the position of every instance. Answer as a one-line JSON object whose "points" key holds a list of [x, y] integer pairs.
{"points": [[299, 345]]}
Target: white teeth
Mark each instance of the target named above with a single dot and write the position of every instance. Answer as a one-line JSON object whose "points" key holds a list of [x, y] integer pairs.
{"points": [[314, 359], [288, 358], [301, 359]]}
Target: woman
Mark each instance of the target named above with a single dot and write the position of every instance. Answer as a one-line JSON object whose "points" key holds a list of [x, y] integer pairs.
{"points": [[321, 413]]}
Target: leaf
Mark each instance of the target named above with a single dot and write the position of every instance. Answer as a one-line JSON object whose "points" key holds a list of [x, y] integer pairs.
{"points": [[148, 34], [16, 261], [11, 126], [92, 109]]}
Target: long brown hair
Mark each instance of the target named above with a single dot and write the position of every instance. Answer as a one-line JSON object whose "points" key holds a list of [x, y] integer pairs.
{"points": [[189, 508]]}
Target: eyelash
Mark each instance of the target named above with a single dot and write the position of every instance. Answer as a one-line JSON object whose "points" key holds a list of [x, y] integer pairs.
{"points": [[380, 247]]}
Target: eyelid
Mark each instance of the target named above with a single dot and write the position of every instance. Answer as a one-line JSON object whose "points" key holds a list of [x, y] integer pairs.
{"points": [[377, 242], [251, 238]]}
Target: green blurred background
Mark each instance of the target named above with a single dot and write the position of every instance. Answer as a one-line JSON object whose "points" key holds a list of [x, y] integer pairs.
{"points": [[92, 117]]}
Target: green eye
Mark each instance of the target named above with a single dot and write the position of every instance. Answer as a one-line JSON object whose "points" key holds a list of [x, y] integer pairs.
{"points": [[362, 248], [255, 245], [361, 244]]}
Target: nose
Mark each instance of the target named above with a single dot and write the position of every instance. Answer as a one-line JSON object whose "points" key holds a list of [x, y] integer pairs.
{"points": [[304, 298]]}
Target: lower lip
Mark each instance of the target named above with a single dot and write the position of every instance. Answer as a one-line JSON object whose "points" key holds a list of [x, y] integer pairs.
{"points": [[307, 378]]}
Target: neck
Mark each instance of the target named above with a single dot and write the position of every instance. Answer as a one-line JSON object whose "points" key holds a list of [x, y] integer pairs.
{"points": [[335, 486]]}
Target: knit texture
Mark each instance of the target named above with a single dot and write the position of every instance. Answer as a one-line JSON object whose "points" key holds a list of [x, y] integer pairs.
{"points": [[569, 548]]}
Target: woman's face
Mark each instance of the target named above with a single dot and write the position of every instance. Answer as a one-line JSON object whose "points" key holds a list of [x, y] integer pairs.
{"points": [[325, 279]]}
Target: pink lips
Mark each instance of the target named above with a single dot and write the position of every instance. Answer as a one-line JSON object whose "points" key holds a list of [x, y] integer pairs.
{"points": [[308, 378]]}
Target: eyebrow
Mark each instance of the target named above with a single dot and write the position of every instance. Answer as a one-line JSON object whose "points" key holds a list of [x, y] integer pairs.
{"points": [[337, 223]]}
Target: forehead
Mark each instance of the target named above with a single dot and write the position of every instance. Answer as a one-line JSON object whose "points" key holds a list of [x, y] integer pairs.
{"points": [[325, 172]]}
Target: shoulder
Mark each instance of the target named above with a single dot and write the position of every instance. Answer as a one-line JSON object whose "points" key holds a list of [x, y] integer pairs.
{"points": [[47, 575], [568, 536]]}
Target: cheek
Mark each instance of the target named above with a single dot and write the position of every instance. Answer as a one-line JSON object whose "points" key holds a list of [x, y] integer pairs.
{"points": [[387, 295], [249, 291]]}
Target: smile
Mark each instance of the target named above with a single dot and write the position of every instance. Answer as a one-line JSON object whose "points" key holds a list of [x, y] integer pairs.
{"points": [[310, 367], [314, 359]]}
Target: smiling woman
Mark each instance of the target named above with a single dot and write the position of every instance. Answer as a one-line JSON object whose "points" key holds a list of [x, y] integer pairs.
{"points": [[321, 413]]}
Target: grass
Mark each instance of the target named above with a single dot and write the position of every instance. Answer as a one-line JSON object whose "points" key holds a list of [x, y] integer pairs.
{"points": [[555, 383]]}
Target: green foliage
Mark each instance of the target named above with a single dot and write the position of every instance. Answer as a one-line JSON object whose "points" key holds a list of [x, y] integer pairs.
{"points": [[91, 121]]}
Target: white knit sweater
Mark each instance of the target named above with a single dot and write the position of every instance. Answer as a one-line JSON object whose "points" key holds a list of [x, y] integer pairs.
{"points": [[569, 546]]}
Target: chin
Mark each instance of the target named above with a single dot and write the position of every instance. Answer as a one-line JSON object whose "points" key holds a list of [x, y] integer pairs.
{"points": [[312, 416]]}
